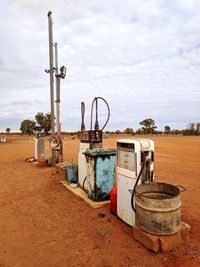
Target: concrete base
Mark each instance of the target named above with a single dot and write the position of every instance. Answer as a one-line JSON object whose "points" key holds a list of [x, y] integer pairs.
{"points": [[80, 193], [161, 243]]}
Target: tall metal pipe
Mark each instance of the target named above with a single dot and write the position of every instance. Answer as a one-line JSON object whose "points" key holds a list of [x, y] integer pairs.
{"points": [[82, 116], [56, 58], [96, 127], [51, 70], [57, 91]]}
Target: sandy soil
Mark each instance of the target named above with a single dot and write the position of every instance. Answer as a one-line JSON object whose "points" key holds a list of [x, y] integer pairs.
{"points": [[43, 224]]}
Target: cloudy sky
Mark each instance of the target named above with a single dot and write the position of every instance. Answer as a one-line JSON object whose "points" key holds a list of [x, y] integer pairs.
{"points": [[142, 56]]}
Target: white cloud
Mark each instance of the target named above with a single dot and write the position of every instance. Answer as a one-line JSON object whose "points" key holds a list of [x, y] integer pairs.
{"points": [[142, 56]]}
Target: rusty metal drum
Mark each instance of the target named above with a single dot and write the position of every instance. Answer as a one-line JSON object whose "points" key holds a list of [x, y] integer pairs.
{"points": [[158, 208]]}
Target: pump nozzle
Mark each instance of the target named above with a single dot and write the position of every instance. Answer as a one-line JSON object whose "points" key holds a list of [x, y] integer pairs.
{"points": [[82, 116]]}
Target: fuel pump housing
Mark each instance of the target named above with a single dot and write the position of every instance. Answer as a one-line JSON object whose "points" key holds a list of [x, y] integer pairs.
{"points": [[135, 164], [96, 165], [89, 139]]}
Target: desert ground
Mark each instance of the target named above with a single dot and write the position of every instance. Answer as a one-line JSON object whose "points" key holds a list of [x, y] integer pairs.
{"points": [[44, 224]]}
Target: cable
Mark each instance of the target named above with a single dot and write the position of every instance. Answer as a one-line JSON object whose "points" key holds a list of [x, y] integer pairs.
{"points": [[138, 178]]}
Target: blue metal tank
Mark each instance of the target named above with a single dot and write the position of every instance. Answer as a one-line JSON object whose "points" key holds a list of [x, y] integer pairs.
{"points": [[100, 173]]}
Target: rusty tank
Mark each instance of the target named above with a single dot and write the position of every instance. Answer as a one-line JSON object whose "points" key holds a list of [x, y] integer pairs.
{"points": [[158, 208]]}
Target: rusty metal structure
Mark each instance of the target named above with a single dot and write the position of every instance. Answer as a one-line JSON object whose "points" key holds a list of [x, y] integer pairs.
{"points": [[158, 208]]}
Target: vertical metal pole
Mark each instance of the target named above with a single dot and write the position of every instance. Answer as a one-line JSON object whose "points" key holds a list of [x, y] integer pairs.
{"points": [[59, 153], [57, 91], [58, 108], [82, 116], [51, 69]]}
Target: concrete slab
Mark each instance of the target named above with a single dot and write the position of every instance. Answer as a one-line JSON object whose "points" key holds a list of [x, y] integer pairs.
{"points": [[78, 191], [161, 243]]}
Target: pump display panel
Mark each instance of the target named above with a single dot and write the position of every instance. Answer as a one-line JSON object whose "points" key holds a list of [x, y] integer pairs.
{"points": [[126, 158]]}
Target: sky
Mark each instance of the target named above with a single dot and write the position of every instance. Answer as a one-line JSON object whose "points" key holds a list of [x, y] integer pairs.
{"points": [[143, 57]]}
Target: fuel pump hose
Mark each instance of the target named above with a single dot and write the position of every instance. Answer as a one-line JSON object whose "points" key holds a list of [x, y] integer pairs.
{"points": [[84, 189], [108, 116]]}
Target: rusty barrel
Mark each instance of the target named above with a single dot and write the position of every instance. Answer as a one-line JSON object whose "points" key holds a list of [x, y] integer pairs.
{"points": [[158, 208]]}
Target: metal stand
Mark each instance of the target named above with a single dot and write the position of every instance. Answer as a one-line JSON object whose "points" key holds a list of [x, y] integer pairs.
{"points": [[56, 146]]}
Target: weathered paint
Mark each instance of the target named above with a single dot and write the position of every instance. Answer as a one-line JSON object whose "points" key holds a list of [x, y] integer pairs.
{"points": [[105, 174], [100, 173]]}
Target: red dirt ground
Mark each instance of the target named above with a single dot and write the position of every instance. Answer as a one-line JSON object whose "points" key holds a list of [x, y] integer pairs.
{"points": [[43, 224]]}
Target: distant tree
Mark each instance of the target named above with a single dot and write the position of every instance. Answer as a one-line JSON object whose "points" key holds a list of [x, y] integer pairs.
{"points": [[191, 128], [167, 129], [186, 132], [197, 128], [43, 121], [38, 128], [117, 132], [129, 131], [27, 127], [139, 131], [158, 132], [8, 130], [176, 131], [148, 126]]}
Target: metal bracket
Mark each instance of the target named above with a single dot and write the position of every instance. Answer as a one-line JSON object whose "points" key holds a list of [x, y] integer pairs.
{"points": [[181, 188]]}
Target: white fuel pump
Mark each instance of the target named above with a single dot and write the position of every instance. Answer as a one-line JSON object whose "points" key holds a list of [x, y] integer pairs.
{"points": [[135, 164], [82, 165], [89, 139]]}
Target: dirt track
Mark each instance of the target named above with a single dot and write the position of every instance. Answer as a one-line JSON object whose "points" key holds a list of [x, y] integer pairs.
{"points": [[42, 224]]}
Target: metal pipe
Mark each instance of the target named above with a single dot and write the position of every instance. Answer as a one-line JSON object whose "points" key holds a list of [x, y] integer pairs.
{"points": [[58, 123], [58, 108], [56, 58], [51, 70], [82, 116], [57, 91], [96, 127]]}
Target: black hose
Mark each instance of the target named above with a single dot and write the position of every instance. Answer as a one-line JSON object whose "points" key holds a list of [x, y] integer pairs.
{"points": [[108, 112], [96, 127], [91, 116], [138, 178], [84, 185]]}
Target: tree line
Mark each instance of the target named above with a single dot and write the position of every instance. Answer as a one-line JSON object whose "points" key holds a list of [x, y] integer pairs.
{"points": [[42, 123], [149, 127]]}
